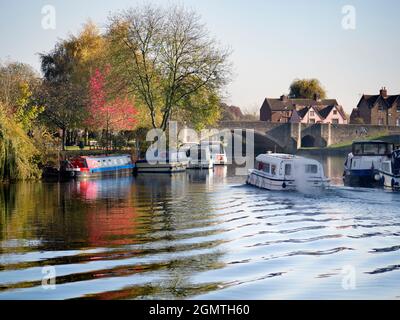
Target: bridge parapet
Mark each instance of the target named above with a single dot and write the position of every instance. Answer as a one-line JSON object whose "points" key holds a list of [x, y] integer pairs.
{"points": [[291, 136]]}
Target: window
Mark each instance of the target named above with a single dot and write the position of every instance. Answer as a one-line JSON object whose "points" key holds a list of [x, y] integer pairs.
{"points": [[380, 108], [335, 112], [357, 149], [312, 113], [267, 167], [371, 148], [312, 121], [273, 169], [311, 168], [398, 122], [380, 121], [335, 121], [398, 108], [288, 169]]}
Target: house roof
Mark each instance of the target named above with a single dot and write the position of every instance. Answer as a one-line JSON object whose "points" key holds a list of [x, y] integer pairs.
{"points": [[372, 99], [322, 111], [292, 104]]}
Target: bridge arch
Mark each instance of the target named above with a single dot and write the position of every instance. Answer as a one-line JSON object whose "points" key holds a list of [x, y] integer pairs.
{"points": [[308, 141], [311, 141]]}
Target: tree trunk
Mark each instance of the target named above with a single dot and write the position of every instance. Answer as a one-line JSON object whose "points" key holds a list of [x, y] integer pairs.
{"points": [[63, 138]]}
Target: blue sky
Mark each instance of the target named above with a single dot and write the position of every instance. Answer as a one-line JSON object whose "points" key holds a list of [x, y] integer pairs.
{"points": [[273, 42]]}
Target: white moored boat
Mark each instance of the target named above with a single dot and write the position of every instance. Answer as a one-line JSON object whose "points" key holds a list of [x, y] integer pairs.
{"points": [[199, 157], [162, 162], [390, 172], [287, 172], [218, 153]]}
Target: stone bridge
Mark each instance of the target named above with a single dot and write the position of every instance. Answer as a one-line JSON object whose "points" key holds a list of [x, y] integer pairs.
{"points": [[288, 137]]}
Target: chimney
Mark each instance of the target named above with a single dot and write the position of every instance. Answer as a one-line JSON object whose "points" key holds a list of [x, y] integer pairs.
{"points": [[383, 92], [316, 97], [283, 97]]}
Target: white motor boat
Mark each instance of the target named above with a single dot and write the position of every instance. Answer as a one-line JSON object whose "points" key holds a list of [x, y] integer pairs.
{"points": [[390, 172], [363, 163], [162, 162], [218, 153], [276, 171]]}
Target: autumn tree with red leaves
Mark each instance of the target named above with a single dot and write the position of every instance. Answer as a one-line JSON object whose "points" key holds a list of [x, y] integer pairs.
{"points": [[105, 113]]}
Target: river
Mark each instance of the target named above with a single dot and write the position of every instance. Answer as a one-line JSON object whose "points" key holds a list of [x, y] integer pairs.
{"points": [[197, 235]]}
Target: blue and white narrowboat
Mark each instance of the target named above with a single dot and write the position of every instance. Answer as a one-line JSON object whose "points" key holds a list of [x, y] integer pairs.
{"points": [[280, 172], [363, 163], [97, 166], [390, 172]]}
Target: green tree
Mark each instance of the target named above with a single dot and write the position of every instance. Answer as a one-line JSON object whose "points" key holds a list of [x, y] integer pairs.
{"points": [[200, 110], [165, 56], [18, 154], [306, 89]]}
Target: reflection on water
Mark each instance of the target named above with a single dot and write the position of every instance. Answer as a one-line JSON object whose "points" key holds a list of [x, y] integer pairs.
{"points": [[199, 234]]}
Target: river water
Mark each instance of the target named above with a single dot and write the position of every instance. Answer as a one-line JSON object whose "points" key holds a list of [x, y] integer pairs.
{"points": [[197, 235]]}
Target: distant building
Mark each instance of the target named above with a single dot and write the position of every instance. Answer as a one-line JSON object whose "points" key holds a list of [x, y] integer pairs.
{"points": [[285, 109], [380, 109]]}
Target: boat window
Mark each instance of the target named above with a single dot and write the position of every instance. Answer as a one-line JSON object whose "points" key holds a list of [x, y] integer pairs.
{"points": [[383, 149], [358, 149], [260, 166], [267, 168], [371, 148], [311, 168], [288, 169], [273, 169]]}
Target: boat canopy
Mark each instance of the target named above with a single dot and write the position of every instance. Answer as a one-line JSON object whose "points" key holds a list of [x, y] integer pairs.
{"points": [[372, 148]]}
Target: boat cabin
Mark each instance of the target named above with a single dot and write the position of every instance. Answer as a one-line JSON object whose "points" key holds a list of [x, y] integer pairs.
{"points": [[282, 165]]}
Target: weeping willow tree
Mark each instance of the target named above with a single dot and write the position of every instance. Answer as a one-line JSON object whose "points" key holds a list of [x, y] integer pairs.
{"points": [[18, 154]]}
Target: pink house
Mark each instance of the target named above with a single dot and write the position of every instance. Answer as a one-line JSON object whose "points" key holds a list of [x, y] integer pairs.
{"points": [[316, 114]]}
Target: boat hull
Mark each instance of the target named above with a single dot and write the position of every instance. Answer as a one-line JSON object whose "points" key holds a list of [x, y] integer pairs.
{"points": [[104, 172], [200, 165], [145, 167], [362, 178], [390, 181], [220, 160], [263, 182]]}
